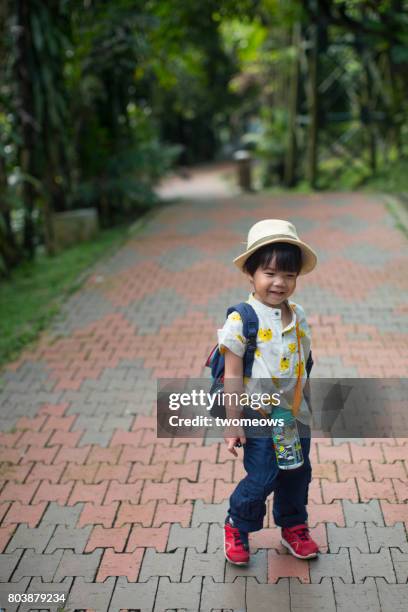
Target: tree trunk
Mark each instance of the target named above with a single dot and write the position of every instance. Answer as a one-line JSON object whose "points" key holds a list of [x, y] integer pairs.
{"points": [[8, 246], [312, 95], [395, 106], [27, 123], [291, 152], [369, 121]]}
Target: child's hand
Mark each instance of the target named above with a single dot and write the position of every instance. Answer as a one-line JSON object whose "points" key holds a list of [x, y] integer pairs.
{"points": [[237, 439]]}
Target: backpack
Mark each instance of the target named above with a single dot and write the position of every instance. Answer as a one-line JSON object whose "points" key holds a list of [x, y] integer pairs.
{"points": [[216, 360]]}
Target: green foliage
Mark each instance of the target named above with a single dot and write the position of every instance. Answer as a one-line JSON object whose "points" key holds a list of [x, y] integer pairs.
{"points": [[269, 144], [129, 176], [390, 178], [115, 93]]}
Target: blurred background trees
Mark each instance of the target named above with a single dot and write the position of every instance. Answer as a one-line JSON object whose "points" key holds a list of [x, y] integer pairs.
{"points": [[99, 99]]}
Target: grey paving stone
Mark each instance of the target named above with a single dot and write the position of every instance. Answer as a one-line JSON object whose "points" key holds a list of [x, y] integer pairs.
{"points": [[362, 513], [155, 310], [61, 515], [99, 438], [180, 258], [123, 259], [230, 595], [329, 565], [92, 406], [84, 422], [216, 307], [12, 588], [178, 595], [85, 565], [8, 564], [257, 568], [372, 305], [91, 595], [117, 422], [267, 597], [7, 424], [42, 566], [80, 406], [393, 597], [385, 537], [81, 309], [348, 223], [61, 589], [400, 561], [215, 538], [188, 537], [127, 595], [203, 564], [109, 399], [312, 597], [69, 537], [342, 537], [379, 564], [37, 397], [367, 255], [36, 538], [8, 412], [161, 564], [364, 596], [208, 513], [196, 226]]}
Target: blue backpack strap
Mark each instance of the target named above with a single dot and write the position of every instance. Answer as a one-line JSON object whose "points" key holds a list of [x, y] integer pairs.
{"points": [[250, 323], [309, 364]]}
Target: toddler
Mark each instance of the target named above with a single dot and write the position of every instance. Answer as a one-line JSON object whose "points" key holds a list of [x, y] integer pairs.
{"points": [[274, 258]]}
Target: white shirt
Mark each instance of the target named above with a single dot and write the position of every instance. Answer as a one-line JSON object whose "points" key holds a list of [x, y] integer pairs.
{"points": [[276, 362]]}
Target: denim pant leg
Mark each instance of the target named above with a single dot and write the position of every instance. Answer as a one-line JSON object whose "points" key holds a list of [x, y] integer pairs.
{"points": [[291, 488], [247, 503]]}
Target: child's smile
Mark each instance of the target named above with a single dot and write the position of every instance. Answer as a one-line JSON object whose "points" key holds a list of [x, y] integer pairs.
{"points": [[272, 286]]}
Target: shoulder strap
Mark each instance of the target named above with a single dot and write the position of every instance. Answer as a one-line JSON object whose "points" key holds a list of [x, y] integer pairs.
{"points": [[309, 364], [250, 324]]}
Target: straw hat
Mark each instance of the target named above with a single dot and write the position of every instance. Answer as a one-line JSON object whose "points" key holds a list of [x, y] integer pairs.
{"points": [[276, 230]]}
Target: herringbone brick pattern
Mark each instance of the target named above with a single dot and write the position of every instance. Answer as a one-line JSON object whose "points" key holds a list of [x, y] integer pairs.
{"points": [[93, 505]]}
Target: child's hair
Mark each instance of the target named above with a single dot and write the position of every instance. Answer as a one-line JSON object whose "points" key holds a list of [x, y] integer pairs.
{"points": [[288, 258]]}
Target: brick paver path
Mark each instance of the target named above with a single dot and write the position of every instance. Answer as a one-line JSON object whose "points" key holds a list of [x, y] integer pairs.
{"points": [[91, 503]]}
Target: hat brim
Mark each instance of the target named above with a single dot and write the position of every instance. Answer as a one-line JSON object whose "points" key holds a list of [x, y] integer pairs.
{"points": [[309, 257]]}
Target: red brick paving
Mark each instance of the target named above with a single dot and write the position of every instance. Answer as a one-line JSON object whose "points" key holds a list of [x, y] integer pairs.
{"points": [[132, 487]]}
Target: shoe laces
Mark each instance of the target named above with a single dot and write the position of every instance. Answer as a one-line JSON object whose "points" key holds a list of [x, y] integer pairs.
{"points": [[238, 537], [302, 532]]}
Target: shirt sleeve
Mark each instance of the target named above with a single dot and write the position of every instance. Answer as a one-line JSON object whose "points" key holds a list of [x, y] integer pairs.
{"points": [[231, 335]]}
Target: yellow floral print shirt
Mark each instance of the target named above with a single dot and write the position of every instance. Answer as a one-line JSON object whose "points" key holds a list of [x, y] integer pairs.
{"points": [[276, 355]]}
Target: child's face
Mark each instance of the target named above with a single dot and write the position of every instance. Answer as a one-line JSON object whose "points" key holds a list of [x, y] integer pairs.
{"points": [[272, 286]]}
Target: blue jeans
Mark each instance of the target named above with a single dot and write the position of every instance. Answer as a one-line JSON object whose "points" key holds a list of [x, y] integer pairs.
{"points": [[247, 503]]}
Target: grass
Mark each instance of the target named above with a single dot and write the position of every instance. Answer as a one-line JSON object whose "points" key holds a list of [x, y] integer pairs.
{"points": [[33, 295]]}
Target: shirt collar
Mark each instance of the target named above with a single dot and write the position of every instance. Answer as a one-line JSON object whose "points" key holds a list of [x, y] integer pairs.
{"points": [[270, 311]]}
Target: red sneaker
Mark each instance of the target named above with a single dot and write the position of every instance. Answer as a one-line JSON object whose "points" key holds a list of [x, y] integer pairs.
{"points": [[298, 541], [236, 547]]}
